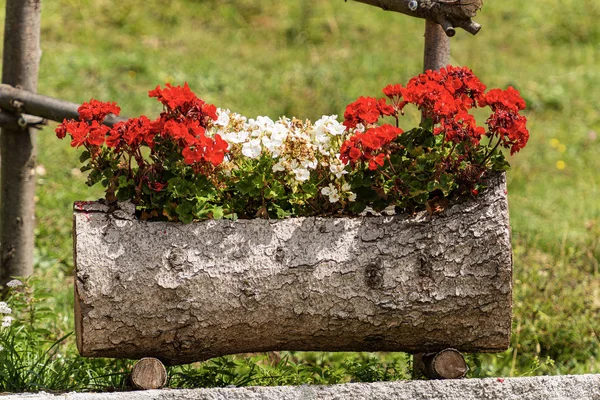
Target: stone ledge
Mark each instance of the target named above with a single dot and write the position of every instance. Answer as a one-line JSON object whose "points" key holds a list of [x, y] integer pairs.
{"points": [[576, 387]]}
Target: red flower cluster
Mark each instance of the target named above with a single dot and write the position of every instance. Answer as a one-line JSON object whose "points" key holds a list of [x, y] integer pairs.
{"points": [[182, 101], [510, 99], [440, 94], [97, 110], [506, 123], [366, 111], [460, 128], [83, 133], [394, 93], [369, 146], [131, 133], [89, 129], [173, 97], [183, 123], [445, 97], [205, 149]]}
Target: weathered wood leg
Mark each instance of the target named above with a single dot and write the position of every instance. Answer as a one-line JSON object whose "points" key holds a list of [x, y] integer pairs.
{"points": [[447, 364], [148, 373], [418, 368]]}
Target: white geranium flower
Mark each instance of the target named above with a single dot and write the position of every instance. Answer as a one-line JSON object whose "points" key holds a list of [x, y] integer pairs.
{"points": [[301, 174], [272, 144], [338, 168], [252, 149], [223, 117], [7, 321], [309, 164], [279, 132], [346, 189], [324, 129], [360, 128], [14, 283], [332, 192], [260, 125], [278, 167], [235, 137], [330, 125]]}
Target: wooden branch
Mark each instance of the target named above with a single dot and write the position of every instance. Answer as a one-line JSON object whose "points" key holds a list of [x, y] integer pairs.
{"points": [[20, 64], [450, 14], [184, 293], [23, 101], [22, 121]]}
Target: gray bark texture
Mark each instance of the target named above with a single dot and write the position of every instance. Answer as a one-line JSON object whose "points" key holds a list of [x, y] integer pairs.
{"points": [[184, 293], [450, 14], [436, 54], [22, 101], [20, 65]]}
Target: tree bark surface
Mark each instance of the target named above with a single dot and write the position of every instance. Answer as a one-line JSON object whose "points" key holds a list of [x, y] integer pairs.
{"points": [[436, 53], [448, 13], [20, 66], [23, 101], [184, 293]]}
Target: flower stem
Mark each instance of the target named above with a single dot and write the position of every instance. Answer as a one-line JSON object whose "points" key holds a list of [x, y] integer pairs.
{"points": [[491, 152]]}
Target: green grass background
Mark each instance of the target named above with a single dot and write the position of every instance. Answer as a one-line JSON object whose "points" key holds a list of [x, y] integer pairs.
{"points": [[307, 58]]}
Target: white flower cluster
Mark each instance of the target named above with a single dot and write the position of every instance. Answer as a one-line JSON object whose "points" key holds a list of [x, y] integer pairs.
{"points": [[334, 195], [7, 319], [296, 147], [14, 283]]}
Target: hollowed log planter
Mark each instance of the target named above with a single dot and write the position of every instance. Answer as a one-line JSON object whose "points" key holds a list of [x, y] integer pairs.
{"points": [[185, 293]]}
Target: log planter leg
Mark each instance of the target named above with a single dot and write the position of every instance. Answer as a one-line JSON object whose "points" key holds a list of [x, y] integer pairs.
{"points": [[446, 364], [148, 373]]}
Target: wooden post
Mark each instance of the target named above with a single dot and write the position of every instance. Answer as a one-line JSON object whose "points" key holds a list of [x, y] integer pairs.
{"points": [[18, 148], [436, 55], [437, 46]]}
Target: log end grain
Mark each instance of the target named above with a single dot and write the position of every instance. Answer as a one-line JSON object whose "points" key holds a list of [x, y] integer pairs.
{"points": [[149, 373]]}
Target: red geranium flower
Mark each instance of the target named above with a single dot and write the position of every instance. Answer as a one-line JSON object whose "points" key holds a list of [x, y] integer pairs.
{"points": [[97, 110], [173, 96]]}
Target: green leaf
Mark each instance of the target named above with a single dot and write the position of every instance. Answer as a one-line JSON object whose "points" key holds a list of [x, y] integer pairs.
{"points": [[94, 177], [217, 212], [184, 212], [124, 193], [247, 187], [84, 156]]}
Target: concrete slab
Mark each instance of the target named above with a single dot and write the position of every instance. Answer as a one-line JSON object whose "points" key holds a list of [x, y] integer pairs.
{"points": [[578, 387]]}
